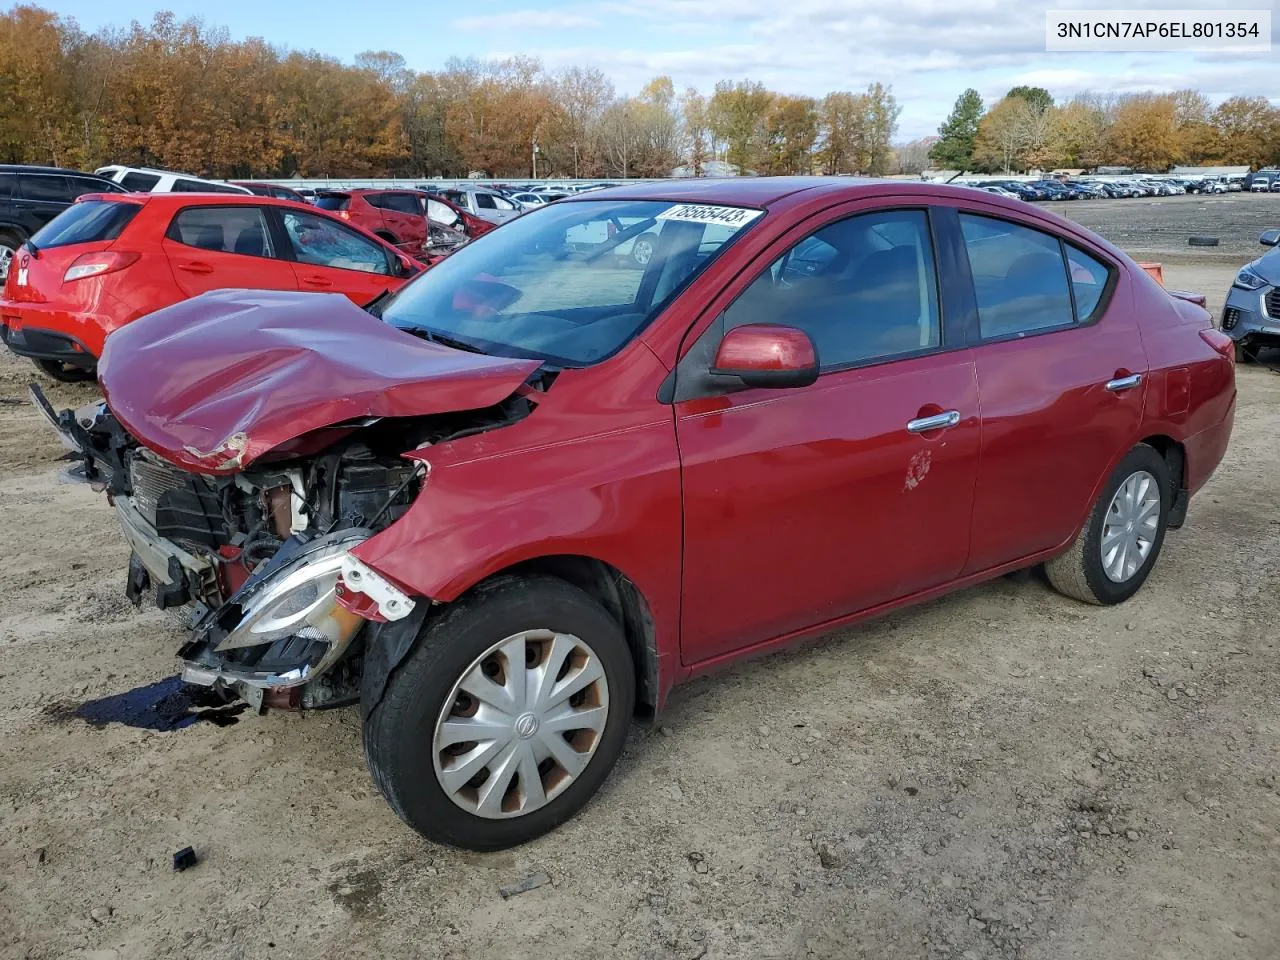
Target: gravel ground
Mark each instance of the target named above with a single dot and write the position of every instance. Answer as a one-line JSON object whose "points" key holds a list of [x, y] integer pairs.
{"points": [[1002, 773]]}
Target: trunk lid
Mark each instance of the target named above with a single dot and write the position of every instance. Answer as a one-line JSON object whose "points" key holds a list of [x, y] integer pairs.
{"points": [[213, 383]]}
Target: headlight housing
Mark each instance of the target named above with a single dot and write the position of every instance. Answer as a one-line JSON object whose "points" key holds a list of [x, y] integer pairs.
{"points": [[294, 605], [1246, 279]]}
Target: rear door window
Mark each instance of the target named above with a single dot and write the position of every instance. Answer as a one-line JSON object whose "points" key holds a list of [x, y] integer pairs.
{"points": [[1019, 277], [45, 187], [322, 243], [92, 221], [82, 185], [8, 185], [182, 185], [402, 203], [139, 182], [241, 230], [486, 201]]}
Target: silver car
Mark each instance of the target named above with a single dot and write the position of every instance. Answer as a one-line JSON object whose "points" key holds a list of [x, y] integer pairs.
{"points": [[485, 204]]}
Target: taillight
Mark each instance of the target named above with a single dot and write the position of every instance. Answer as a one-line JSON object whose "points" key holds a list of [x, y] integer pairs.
{"points": [[96, 264], [1220, 342], [345, 214]]}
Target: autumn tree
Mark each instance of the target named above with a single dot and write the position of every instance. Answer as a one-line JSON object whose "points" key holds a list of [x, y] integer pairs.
{"points": [[954, 149], [697, 130], [790, 130], [844, 132], [736, 113], [1143, 133], [1002, 135], [1248, 130]]}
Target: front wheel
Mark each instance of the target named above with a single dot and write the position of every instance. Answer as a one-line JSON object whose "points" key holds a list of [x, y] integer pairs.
{"points": [[1115, 551], [506, 717], [642, 249]]}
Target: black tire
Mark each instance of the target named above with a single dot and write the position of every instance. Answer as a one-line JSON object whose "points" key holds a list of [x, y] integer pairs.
{"points": [[399, 732], [65, 372], [1079, 572], [1245, 354]]}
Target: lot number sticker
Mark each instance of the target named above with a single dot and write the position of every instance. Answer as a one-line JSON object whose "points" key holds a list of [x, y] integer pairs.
{"points": [[732, 217]]}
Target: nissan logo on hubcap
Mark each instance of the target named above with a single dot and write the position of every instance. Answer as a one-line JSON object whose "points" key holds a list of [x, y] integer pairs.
{"points": [[526, 726]]}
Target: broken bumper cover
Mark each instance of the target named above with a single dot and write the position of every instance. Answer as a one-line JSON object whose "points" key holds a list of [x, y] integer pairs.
{"points": [[284, 627]]}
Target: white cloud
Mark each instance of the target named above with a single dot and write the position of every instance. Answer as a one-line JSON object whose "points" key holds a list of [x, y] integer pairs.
{"points": [[526, 20], [929, 50]]}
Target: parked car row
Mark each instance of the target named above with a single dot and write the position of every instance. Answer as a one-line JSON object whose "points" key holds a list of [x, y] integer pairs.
{"points": [[1089, 188], [511, 505]]}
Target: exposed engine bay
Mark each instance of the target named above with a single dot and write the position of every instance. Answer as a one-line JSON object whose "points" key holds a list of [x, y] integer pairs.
{"points": [[257, 564]]}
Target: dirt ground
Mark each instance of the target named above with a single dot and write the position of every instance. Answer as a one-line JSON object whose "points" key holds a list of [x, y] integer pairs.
{"points": [[1002, 773]]}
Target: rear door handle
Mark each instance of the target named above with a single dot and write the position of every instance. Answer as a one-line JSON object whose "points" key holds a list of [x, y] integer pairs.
{"points": [[939, 421], [195, 266], [317, 282], [1120, 384]]}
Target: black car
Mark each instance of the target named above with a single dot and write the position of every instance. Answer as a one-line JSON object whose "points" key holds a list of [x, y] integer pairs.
{"points": [[32, 196]]}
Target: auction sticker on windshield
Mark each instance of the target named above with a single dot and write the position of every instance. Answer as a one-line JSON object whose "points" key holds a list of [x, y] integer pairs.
{"points": [[731, 217]]}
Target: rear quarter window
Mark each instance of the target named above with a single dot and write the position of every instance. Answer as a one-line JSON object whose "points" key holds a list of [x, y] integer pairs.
{"points": [[334, 201], [93, 221], [139, 182]]}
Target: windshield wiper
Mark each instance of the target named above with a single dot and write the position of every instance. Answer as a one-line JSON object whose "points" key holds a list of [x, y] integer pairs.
{"points": [[35, 251], [447, 341]]}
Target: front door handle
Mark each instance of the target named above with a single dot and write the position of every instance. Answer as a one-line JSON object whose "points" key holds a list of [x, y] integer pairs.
{"points": [[1120, 384], [939, 421], [317, 282], [195, 266]]}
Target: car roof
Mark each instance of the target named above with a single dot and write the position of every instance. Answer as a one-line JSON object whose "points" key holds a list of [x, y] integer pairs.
{"points": [[29, 168], [195, 198], [761, 191]]}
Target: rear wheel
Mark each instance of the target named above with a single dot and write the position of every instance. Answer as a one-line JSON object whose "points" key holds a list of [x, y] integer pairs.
{"points": [[9, 244], [1115, 551], [65, 372], [506, 717]]}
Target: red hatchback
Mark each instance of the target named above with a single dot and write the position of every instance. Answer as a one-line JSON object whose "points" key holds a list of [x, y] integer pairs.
{"points": [[547, 485], [109, 259]]}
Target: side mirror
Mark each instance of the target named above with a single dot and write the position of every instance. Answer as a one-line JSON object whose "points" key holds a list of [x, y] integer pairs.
{"points": [[1269, 238], [767, 355]]}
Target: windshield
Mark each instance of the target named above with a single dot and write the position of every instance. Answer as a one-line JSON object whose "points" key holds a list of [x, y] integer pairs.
{"points": [[86, 222], [569, 284]]}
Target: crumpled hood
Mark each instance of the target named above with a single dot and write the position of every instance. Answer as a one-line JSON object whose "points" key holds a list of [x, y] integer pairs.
{"points": [[213, 383]]}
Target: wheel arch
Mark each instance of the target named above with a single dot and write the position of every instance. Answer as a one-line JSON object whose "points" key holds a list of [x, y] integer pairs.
{"points": [[620, 597]]}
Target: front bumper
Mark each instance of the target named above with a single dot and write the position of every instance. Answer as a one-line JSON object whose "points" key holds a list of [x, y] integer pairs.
{"points": [[1245, 317]]}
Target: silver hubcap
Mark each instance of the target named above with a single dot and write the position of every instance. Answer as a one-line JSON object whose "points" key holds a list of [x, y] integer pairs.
{"points": [[6, 259], [642, 250], [1130, 526], [521, 724]]}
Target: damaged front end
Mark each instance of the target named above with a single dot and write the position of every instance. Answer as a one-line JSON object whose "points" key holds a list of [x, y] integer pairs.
{"points": [[252, 553]]}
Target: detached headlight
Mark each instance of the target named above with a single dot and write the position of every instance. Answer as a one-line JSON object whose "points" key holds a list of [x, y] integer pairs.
{"points": [[1246, 279], [298, 600]]}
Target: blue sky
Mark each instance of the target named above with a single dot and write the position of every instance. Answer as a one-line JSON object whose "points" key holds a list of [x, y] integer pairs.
{"points": [[929, 50]]}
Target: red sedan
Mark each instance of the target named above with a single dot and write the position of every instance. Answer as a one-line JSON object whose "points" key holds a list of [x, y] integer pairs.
{"points": [[110, 258], [548, 484]]}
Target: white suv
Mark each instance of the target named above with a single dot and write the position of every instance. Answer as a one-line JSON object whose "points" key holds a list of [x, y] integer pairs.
{"points": [[144, 180]]}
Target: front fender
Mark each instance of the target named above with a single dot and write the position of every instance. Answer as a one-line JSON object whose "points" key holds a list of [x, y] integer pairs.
{"points": [[613, 497]]}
